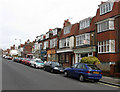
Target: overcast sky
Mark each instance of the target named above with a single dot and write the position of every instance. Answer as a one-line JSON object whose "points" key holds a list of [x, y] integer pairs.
{"points": [[26, 19]]}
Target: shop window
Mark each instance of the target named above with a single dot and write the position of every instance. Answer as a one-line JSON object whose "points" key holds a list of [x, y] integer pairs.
{"points": [[67, 58]]}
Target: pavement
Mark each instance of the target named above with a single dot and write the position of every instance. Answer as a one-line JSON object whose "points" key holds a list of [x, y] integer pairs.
{"points": [[111, 81]]}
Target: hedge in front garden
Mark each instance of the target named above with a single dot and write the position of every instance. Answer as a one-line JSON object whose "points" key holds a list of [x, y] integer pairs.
{"points": [[90, 60]]}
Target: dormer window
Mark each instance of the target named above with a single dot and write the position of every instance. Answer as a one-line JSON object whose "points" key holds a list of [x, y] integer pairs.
{"points": [[106, 7], [47, 35], [85, 23], [67, 29], [54, 32]]}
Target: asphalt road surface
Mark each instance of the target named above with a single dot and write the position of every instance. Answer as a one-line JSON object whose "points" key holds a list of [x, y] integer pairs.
{"points": [[16, 76]]}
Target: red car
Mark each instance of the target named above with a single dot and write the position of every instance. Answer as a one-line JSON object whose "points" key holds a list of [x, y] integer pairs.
{"points": [[27, 61], [24, 60]]}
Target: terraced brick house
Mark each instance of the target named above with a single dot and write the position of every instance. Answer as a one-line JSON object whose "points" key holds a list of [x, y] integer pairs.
{"points": [[53, 45], [108, 31], [85, 39], [66, 43]]}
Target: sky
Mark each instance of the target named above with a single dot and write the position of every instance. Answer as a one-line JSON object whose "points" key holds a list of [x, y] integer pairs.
{"points": [[26, 19]]}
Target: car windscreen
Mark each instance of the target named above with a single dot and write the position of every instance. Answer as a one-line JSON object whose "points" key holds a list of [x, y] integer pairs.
{"points": [[93, 67], [39, 61]]}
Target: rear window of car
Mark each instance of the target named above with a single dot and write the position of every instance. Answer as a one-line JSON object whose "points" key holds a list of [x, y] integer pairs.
{"points": [[93, 67], [55, 64], [39, 61]]}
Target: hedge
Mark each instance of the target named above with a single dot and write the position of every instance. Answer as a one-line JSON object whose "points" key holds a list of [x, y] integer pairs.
{"points": [[90, 60]]}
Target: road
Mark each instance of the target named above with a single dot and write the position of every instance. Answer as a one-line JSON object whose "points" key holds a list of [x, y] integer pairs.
{"points": [[16, 76]]}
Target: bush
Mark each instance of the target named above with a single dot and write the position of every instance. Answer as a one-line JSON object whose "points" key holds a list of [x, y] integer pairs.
{"points": [[90, 60]]}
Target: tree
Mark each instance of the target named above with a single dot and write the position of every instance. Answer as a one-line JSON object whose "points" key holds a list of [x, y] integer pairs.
{"points": [[90, 60]]}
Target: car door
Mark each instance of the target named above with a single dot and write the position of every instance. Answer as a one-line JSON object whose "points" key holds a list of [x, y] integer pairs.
{"points": [[81, 69], [47, 66], [72, 69]]}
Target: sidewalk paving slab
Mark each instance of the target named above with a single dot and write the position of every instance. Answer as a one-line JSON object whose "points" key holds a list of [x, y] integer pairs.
{"points": [[111, 80]]}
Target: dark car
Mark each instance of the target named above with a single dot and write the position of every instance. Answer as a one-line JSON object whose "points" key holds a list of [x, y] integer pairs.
{"points": [[84, 71], [53, 67]]}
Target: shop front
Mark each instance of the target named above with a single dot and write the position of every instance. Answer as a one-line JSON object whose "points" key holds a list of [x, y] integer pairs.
{"points": [[65, 57], [52, 56], [43, 55], [84, 52]]}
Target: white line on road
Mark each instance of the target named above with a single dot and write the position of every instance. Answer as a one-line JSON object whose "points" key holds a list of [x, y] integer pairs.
{"points": [[109, 85]]}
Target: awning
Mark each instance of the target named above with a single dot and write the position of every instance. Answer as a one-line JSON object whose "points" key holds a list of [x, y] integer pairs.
{"points": [[64, 50], [85, 50]]}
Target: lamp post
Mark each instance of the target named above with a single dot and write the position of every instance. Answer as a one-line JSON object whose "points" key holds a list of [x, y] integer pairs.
{"points": [[20, 45]]}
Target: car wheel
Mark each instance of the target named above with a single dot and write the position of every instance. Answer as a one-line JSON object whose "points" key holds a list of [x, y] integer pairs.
{"points": [[81, 78], [66, 74], [34, 65], [44, 69], [51, 70], [30, 64], [97, 80]]}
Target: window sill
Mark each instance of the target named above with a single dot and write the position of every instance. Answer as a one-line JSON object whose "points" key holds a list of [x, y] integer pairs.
{"points": [[106, 52], [106, 31]]}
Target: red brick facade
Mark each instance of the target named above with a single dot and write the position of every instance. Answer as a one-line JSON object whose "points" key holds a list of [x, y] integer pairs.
{"points": [[110, 34]]}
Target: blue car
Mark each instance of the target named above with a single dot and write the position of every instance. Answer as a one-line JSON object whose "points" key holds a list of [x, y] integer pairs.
{"points": [[84, 71]]}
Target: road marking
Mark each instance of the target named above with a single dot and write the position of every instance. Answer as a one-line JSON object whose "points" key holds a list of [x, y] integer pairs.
{"points": [[109, 85]]}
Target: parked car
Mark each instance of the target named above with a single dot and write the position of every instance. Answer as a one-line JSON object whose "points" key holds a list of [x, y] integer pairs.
{"points": [[27, 61], [8, 57], [37, 63], [23, 60], [15, 59], [53, 67], [84, 71], [20, 60]]}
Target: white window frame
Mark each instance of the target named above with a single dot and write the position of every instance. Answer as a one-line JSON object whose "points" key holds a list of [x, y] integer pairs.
{"points": [[53, 43], [106, 7], [105, 25], [47, 35], [67, 29], [85, 23], [80, 39], [64, 43], [40, 46], [109, 46], [55, 32]]}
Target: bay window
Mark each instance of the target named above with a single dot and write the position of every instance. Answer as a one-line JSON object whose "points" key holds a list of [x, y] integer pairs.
{"points": [[83, 39], [105, 25], [45, 44], [64, 42], [53, 43]]}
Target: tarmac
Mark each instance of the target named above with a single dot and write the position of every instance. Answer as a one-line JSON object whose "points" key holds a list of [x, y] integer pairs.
{"points": [[111, 81]]}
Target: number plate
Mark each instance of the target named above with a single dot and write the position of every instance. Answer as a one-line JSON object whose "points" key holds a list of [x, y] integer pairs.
{"points": [[96, 72]]}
